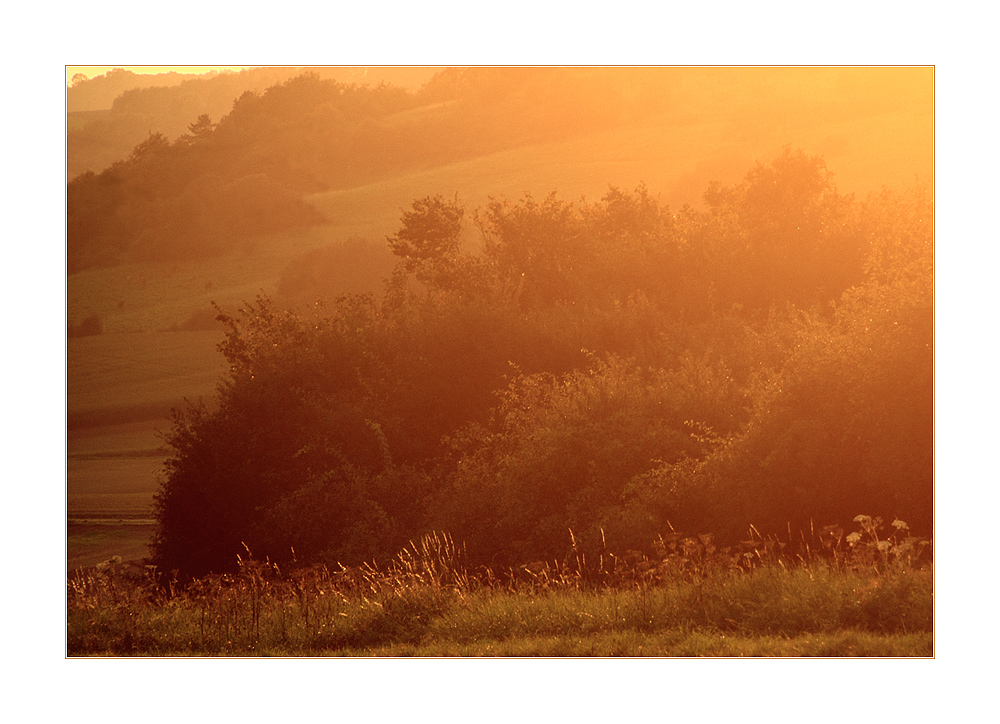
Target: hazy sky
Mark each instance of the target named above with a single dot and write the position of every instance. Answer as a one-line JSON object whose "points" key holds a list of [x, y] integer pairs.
{"points": [[92, 71]]}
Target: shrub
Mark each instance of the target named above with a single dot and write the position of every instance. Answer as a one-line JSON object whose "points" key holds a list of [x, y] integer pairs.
{"points": [[562, 451]]}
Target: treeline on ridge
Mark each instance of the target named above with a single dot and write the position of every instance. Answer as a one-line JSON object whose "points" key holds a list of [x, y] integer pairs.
{"points": [[220, 185], [616, 369], [107, 116]]}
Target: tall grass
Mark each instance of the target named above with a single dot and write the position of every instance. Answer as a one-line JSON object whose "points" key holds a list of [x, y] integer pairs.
{"points": [[865, 600]]}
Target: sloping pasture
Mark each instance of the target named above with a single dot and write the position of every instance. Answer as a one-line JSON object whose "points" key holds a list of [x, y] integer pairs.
{"points": [[120, 389]]}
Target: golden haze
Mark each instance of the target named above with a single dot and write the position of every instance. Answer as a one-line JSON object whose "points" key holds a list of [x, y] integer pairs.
{"points": [[92, 71]]}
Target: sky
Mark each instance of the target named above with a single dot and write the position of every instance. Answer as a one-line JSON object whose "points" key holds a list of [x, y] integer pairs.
{"points": [[92, 71]]}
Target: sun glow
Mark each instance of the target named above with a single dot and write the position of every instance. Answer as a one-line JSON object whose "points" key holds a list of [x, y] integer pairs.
{"points": [[92, 71]]}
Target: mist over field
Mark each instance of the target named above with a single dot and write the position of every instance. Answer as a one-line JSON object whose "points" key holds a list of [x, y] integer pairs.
{"points": [[317, 313]]}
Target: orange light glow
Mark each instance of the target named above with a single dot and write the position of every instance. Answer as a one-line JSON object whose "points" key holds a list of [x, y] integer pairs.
{"points": [[92, 71]]}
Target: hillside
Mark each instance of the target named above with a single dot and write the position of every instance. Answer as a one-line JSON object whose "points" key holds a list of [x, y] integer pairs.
{"points": [[243, 174], [157, 345], [107, 116], [675, 160]]}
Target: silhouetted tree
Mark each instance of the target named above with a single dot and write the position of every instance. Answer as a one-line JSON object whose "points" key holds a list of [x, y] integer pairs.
{"points": [[290, 428], [200, 130], [429, 237], [782, 234]]}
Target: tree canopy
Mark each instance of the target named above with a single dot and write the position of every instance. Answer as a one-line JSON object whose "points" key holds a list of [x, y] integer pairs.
{"points": [[617, 369]]}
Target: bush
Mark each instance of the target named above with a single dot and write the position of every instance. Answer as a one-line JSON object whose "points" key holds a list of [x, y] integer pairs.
{"points": [[846, 423], [562, 451], [466, 399], [288, 435]]}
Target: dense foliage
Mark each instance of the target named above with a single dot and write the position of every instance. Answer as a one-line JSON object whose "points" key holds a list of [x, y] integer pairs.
{"points": [[616, 369]]}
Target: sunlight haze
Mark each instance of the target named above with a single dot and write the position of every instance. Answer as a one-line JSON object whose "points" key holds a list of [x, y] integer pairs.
{"points": [[500, 360], [92, 71]]}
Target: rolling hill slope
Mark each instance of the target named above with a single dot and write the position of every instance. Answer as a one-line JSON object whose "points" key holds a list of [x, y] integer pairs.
{"points": [[122, 383]]}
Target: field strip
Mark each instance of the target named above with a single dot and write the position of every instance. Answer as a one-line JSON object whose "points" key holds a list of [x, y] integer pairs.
{"points": [[151, 453], [111, 521]]}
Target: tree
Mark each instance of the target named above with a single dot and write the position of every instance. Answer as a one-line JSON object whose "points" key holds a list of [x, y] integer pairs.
{"points": [[198, 131], [476, 408], [291, 426], [537, 246], [598, 255], [844, 425], [783, 234], [155, 146], [428, 240]]}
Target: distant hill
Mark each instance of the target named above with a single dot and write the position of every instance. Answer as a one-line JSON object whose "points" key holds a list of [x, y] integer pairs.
{"points": [[198, 185], [99, 92], [107, 116]]}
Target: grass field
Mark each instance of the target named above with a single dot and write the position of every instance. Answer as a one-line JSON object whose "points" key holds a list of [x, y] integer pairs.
{"points": [[92, 543], [677, 643], [116, 373], [425, 603], [675, 160], [120, 390], [109, 502]]}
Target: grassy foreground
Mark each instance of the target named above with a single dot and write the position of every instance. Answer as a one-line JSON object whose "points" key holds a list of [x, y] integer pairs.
{"points": [[694, 601]]}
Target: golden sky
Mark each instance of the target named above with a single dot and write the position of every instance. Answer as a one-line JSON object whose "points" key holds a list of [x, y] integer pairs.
{"points": [[92, 71]]}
